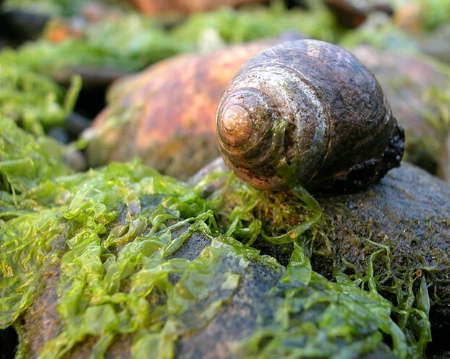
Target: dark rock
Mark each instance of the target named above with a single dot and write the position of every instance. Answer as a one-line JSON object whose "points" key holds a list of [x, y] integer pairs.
{"points": [[19, 26], [416, 89], [407, 212], [235, 320], [407, 217]]}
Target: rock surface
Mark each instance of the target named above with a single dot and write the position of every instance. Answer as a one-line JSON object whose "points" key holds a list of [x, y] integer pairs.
{"points": [[417, 90], [407, 217], [166, 114], [408, 212]]}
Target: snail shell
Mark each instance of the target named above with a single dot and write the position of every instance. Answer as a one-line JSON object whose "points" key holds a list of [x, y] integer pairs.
{"points": [[313, 106]]}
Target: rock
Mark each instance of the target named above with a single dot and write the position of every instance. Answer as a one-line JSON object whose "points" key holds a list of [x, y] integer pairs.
{"points": [[418, 91], [214, 337], [408, 17], [166, 114], [20, 26], [155, 7], [138, 279], [408, 212], [405, 217]]}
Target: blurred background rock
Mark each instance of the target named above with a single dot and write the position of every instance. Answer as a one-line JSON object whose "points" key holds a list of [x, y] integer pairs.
{"points": [[405, 43]]}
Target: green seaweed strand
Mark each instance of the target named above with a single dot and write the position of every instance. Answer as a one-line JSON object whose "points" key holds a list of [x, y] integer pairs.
{"points": [[289, 175]]}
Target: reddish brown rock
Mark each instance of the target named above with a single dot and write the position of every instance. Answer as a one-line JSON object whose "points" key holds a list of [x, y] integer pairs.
{"points": [[153, 7], [166, 114]]}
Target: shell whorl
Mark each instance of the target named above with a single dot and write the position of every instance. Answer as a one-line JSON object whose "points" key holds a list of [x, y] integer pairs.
{"points": [[337, 123]]}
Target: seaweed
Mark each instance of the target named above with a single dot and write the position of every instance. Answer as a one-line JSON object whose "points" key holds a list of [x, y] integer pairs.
{"points": [[247, 24], [33, 99], [143, 40]]}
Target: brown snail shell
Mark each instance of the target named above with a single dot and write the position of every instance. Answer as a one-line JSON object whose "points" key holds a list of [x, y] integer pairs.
{"points": [[313, 106]]}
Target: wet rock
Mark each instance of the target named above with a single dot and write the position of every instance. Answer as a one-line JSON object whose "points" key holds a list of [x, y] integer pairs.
{"points": [[406, 218], [166, 114], [417, 90], [407, 212], [238, 316]]}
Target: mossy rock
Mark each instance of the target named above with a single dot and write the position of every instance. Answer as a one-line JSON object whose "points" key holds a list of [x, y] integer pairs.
{"points": [[389, 237], [126, 262]]}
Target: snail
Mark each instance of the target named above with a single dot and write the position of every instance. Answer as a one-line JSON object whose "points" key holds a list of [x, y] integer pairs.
{"points": [[307, 113]]}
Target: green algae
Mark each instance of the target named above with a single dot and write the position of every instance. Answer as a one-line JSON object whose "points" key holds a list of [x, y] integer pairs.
{"points": [[406, 285], [114, 233], [252, 23], [140, 42], [31, 98], [27, 168], [144, 40], [355, 320]]}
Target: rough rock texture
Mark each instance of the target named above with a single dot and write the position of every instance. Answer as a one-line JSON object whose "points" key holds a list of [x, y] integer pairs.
{"points": [[407, 216], [236, 319], [409, 211]]}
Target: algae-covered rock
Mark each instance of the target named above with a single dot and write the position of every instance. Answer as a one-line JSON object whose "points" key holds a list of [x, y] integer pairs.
{"points": [[126, 262], [399, 232], [389, 238], [131, 264]]}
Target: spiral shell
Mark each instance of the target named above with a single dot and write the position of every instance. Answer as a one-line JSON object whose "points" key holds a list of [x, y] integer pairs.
{"points": [[313, 106]]}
